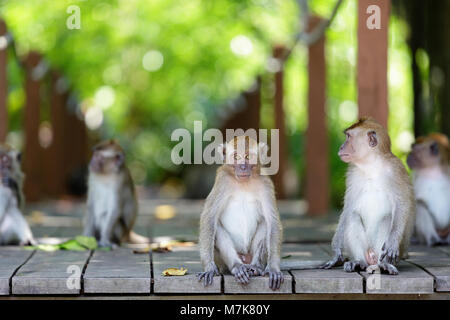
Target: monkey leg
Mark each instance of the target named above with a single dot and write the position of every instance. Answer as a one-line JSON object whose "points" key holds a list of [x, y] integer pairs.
{"points": [[355, 240], [230, 256], [258, 251], [107, 229], [425, 228]]}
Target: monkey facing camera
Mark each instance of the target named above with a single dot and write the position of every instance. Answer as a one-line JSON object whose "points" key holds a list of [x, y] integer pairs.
{"points": [[377, 221], [14, 229], [240, 229], [112, 203], [430, 161]]}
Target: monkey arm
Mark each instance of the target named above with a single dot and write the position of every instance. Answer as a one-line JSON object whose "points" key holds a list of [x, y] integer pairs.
{"points": [[214, 205], [391, 248]]}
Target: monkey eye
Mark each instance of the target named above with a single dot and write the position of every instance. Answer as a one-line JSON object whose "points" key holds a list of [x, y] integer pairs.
{"points": [[434, 149]]}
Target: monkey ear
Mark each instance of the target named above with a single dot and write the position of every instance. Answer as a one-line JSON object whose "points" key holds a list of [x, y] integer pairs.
{"points": [[373, 141]]}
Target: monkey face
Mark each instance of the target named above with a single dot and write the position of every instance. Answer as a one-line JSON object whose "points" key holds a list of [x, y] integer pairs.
{"points": [[241, 157], [106, 162], [357, 145], [426, 154]]}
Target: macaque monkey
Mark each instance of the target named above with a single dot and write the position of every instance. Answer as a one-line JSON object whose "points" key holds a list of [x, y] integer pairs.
{"points": [[14, 229], [112, 204], [240, 229], [430, 160], [378, 216]]}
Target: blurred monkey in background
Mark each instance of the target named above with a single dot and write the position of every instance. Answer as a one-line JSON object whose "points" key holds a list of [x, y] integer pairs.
{"points": [[430, 161]]}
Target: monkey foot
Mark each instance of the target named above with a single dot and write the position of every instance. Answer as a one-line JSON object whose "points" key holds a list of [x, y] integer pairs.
{"points": [[241, 273], [390, 254], [107, 244], [354, 266], [337, 261], [207, 277], [382, 267], [276, 278]]}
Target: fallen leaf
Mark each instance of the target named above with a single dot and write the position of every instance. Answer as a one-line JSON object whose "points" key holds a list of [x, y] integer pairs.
{"points": [[174, 272], [88, 242], [286, 257]]}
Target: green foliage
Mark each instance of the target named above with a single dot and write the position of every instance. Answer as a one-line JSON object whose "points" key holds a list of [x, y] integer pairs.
{"points": [[152, 66]]}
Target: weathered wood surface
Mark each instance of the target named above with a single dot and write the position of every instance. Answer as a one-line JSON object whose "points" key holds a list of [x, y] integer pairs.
{"points": [[10, 259], [411, 279], [118, 271], [57, 272], [188, 258], [123, 272]]}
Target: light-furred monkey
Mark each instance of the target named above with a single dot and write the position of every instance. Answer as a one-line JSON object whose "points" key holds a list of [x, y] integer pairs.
{"points": [[13, 227], [112, 204], [378, 216], [430, 160], [240, 229]]}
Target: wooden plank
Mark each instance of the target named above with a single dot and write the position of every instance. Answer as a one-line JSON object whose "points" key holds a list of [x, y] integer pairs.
{"points": [[372, 62], [188, 258], [10, 260], [118, 271], [257, 285], [439, 268], [327, 281], [410, 280], [422, 252], [302, 255], [317, 167], [50, 273]]}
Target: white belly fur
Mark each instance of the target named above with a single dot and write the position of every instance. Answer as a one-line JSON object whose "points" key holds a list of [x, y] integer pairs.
{"points": [[435, 191], [375, 210], [240, 219], [104, 193]]}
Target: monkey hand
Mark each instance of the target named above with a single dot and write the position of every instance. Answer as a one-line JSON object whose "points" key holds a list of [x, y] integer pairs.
{"points": [[338, 260], [276, 278], [241, 273], [390, 252], [208, 275]]}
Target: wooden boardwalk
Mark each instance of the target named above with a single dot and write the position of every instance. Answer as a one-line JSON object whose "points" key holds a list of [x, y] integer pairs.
{"points": [[124, 273]]}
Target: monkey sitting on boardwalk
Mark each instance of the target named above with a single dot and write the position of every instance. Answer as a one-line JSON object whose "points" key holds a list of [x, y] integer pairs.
{"points": [[14, 229], [430, 160], [112, 204], [240, 229], [378, 216]]}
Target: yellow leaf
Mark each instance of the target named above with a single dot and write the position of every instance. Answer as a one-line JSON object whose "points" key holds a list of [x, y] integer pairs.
{"points": [[174, 272]]}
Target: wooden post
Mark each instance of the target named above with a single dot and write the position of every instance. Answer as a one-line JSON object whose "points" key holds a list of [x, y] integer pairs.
{"points": [[372, 61], [278, 179], [317, 170], [32, 159], [55, 159], [249, 117], [3, 86]]}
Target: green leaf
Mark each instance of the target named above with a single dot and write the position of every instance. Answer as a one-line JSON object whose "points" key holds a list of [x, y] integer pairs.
{"points": [[72, 245], [88, 242]]}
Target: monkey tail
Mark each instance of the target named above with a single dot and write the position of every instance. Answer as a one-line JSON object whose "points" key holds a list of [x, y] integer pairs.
{"points": [[135, 238]]}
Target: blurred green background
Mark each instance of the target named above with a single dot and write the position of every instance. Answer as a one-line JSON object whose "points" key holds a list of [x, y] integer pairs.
{"points": [[141, 69]]}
